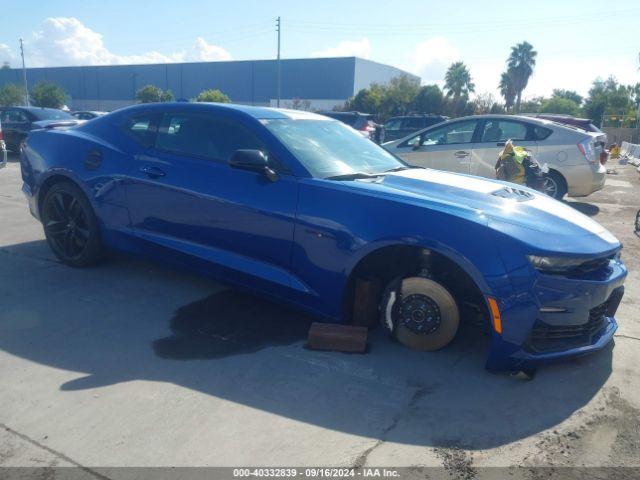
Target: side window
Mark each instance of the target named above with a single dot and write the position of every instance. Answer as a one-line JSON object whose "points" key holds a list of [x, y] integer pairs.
{"points": [[142, 128], [455, 133], [540, 133], [204, 136], [501, 130], [414, 123], [393, 124], [14, 116]]}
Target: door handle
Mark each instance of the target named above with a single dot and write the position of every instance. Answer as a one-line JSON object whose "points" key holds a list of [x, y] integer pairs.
{"points": [[461, 154], [152, 172]]}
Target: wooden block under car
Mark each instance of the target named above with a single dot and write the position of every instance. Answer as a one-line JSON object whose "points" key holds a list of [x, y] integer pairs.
{"points": [[341, 338]]}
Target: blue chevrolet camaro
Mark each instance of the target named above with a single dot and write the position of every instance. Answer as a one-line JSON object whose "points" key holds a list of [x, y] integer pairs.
{"points": [[303, 209]]}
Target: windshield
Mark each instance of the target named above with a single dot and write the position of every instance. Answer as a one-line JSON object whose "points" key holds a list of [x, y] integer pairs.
{"points": [[52, 114], [329, 148]]}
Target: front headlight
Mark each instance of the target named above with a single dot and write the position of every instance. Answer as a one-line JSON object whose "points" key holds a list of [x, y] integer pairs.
{"points": [[554, 264]]}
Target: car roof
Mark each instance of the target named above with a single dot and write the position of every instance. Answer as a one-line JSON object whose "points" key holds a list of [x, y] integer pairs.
{"points": [[259, 113]]}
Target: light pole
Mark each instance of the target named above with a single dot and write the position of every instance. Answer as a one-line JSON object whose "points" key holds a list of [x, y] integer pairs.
{"points": [[24, 76], [278, 62]]}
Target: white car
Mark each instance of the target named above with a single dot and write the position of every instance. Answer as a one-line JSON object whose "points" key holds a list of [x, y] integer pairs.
{"points": [[471, 145]]}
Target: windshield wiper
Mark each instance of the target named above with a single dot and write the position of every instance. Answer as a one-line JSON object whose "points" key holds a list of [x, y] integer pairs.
{"points": [[354, 176]]}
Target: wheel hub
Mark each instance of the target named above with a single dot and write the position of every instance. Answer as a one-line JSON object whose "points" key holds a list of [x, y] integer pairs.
{"points": [[420, 314]]}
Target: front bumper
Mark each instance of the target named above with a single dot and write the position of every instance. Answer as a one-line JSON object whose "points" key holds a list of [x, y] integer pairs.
{"points": [[560, 317]]}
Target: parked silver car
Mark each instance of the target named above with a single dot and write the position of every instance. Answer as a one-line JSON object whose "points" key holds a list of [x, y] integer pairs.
{"points": [[471, 145]]}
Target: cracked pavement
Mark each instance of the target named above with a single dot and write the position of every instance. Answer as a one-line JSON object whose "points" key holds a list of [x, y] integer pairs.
{"points": [[100, 368]]}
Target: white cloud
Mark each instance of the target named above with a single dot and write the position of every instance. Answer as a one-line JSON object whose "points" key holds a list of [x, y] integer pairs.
{"points": [[348, 48], [430, 59], [6, 55], [64, 41]]}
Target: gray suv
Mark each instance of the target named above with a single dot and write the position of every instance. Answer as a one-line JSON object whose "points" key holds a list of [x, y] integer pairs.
{"points": [[400, 127]]}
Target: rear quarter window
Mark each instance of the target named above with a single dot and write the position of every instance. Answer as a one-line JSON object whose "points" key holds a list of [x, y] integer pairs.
{"points": [[540, 133]]}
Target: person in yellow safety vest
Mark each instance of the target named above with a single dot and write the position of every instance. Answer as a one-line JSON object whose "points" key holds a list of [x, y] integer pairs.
{"points": [[510, 164], [614, 151]]}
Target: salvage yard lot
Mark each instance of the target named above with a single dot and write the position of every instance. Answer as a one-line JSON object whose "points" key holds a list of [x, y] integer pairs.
{"points": [[132, 364]]}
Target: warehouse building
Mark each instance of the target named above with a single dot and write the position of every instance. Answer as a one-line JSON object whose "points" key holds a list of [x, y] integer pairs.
{"points": [[323, 82]]}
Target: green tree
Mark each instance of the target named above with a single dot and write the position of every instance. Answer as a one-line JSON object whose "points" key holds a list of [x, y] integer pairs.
{"points": [[521, 62], [153, 94], [399, 94], [608, 97], [10, 95], [47, 94], [429, 100], [483, 103], [560, 105], [458, 84], [507, 89], [532, 105], [568, 94], [212, 95], [367, 100]]}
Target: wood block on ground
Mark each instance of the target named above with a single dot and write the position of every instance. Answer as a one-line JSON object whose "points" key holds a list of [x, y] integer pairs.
{"points": [[341, 338]]}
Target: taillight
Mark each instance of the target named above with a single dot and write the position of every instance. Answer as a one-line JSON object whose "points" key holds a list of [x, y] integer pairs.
{"points": [[1, 136], [586, 148]]}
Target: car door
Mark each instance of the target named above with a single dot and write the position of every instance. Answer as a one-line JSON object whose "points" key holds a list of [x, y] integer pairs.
{"points": [[493, 134], [183, 195], [446, 147]]}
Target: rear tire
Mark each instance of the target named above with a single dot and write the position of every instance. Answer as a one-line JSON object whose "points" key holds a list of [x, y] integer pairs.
{"points": [[70, 226], [425, 315], [555, 185]]}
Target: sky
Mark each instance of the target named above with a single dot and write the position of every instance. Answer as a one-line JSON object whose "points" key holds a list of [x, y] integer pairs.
{"points": [[576, 41]]}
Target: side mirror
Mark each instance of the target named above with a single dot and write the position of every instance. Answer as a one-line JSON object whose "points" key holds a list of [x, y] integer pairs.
{"points": [[254, 161]]}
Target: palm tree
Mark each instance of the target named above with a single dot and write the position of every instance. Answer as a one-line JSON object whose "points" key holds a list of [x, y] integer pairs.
{"points": [[521, 62], [457, 83], [507, 89]]}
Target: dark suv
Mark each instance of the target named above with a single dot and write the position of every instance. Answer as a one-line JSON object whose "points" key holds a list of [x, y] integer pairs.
{"points": [[17, 122], [399, 127], [363, 122]]}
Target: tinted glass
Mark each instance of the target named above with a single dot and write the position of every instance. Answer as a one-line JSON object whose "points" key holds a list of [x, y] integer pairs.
{"points": [[51, 114], [15, 116], [501, 130], [415, 123], [458, 132], [327, 148], [205, 136], [142, 128], [393, 124], [540, 133]]}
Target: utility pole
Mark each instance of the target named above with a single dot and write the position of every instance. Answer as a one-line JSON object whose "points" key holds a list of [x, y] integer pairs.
{"points": [[278, 62], [24, 76]]}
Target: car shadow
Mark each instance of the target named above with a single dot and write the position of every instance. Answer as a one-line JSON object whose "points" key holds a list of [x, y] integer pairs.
{"points": [[587, 208], [128, 320]]}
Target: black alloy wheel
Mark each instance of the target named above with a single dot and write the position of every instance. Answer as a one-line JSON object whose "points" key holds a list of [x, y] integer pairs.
{"points": [[70, 225]]}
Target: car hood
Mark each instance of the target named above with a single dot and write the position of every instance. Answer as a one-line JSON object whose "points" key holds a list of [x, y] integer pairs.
{"points": [[534, 218]]}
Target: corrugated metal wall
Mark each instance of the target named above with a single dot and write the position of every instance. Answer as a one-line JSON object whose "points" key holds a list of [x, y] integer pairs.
{"points": [[252, 82]]}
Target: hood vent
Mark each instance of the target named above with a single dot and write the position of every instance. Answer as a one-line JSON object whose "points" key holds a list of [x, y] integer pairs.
{"points": [[512, 193]]}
